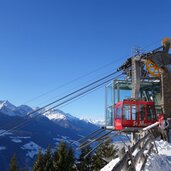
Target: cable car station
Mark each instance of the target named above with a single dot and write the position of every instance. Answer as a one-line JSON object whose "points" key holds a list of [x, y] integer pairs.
{"points": [[143, 93]]}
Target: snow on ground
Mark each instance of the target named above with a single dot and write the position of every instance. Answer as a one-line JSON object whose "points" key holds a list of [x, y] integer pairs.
{"points": [[20, 137], [4, 132], [162, 160], [17, 139], [2, 148], [66, 139], [110, 165], [32, 148], [155, 162]]}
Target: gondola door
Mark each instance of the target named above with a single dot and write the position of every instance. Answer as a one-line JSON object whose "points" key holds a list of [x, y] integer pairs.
{"points": [[118, 116]]}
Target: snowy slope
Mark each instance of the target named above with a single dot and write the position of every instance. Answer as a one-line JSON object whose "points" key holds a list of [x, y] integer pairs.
{"points": [[155, 162], [57, 114], [162, 160]]}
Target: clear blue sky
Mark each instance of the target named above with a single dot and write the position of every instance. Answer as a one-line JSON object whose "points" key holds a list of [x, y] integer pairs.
{"points": [[46, 44]]}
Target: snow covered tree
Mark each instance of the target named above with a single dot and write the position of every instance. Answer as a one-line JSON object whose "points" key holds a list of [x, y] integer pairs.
{"points": [[13, 164], [39, 163], [63, 158]]}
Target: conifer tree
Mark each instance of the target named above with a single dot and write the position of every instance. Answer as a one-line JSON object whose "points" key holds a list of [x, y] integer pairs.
{"points": [[13, 164], [39, 163], [26, 168], [85, 164], [48, 160], [108, 149], [63, 158], [70, 159], [106, 152]]}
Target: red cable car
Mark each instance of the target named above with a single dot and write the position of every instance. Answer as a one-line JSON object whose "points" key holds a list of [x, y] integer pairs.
{"points": [[133, 113]]}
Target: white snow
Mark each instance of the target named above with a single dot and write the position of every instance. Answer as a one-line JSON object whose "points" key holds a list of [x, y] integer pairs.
{"points": [[57, 114], [2, 148], [155, 162], [7, 108], [17, 139], [32, 148], [110, 165], [57, 139], [94, 121], [4, 132], [162, 160], [66, 139], [54, 116], [20, 137], [6, 103]]}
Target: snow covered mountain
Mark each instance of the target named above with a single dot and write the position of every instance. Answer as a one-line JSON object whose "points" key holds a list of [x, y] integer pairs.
{"points": [[55, 115], [49, 128], [95, 122], [9, 109]]}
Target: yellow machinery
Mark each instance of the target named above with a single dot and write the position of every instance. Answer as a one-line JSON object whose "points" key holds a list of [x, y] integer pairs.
{"points": [[156, 69]]}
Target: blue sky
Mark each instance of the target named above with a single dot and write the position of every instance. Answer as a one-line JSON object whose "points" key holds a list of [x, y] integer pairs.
{"points": [[46, 44]]}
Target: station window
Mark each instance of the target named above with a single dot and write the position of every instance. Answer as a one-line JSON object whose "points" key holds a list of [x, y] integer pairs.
{"points": [[109, 116], [126, 112]]}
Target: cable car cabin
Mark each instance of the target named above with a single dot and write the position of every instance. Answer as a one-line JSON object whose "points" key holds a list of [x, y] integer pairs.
{"points": [[134, 113]]}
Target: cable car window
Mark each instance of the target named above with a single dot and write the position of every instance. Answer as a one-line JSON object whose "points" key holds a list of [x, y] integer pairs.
{"points": [[142, 112], [134, 112], [150, 114], [118, 113], [126, 112]]}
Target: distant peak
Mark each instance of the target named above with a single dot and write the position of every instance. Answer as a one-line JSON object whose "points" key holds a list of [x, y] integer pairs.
{"points": [[7, 104]]}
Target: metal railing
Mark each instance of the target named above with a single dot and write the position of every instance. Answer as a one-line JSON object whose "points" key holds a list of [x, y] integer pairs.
{"points": [[136, 155]]}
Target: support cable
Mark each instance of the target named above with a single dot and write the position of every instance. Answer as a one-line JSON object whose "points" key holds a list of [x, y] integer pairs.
{"points": [[65, 101]]}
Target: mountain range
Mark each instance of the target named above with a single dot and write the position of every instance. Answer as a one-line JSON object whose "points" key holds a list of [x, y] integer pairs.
{"points": [[32, 133]]}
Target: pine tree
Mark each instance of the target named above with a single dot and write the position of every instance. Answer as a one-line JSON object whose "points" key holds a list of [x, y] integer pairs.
{"points": [[105, 153], [39, 163], [108, 150], [13, 164], [48, 160], [26, 168], [70, 159], [63, 159], [98, 161], [85, 164]]}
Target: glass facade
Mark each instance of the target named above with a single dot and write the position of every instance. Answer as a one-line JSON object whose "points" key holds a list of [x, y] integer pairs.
{"points": [[109, 104]]}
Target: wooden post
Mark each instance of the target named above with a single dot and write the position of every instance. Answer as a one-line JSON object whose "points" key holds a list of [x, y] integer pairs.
{"points": [[121, 153], [166, 93], [132, 160]]}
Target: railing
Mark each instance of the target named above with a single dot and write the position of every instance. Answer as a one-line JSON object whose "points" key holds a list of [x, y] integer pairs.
{"points": [[136, 156]]}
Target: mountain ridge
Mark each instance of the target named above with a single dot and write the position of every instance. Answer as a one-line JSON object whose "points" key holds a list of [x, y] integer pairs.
{"points": [[38, 132]]}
